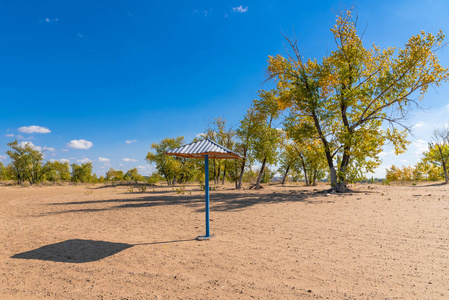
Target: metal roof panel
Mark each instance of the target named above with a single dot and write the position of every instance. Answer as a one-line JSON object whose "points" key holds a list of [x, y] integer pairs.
{"points": [[201, 148]]}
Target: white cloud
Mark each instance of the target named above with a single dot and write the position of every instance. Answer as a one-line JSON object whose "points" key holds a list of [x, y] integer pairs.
{"points": [[2, 157], [386, 153], [33, 146], [80, 35], [419, 124], [80, 144], [49, 149], [64, 160], [420, 146], [240, 9], [201, 135], [104, 159], [130, 141], [34, 129], [83, 160], [48, 20], [9, 135], [129, 159], [65, 150], [146, 169]]}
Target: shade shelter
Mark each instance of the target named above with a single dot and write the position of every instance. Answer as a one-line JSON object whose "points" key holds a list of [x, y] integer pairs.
{"points": [[204, 149]]}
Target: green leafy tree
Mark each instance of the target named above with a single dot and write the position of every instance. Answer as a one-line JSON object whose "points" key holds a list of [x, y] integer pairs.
{"points": [[168, 166], [3, 172], [288, 157], [217, 133], [266, 137], [26, 162], [244, 145], [133, 175], [57, 171], [438, 153], [81, 173], [154, 178], [267, 176], [345, 99], [115, 175]]}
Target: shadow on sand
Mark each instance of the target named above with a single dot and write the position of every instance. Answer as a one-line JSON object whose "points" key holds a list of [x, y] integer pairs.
{"points": [[81, 251], [219, 201]]}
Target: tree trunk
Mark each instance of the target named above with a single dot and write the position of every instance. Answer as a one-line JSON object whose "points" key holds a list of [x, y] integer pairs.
{"points": [[259, 177], [285, 175], [314, 178], [304, 169], [242, 170], [215, 170], [217, 178], [445, 171], [224, 176], [333, 175], [341, 185]]}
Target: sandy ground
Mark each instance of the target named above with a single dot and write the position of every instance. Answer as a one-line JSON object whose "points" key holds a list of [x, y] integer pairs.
{"points": [[291, 242]]}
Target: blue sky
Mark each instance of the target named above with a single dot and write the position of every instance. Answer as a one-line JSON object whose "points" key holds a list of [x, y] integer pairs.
{"points": [[100, 73]]}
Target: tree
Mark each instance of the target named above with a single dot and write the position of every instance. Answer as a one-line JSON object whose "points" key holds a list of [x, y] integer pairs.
{"points": [[81, 173], [115, 175], [26, 162], [245, 134], [133, 175], [311, 159], [438, 153], [346, 98], [288, 157], [266, 137], [168, 166], [428, 171], [406, 173], [3, 172], [217, 133], [57, 171]]}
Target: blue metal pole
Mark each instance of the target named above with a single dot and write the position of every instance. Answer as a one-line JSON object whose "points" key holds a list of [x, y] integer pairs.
{"points": [[206, 186]]}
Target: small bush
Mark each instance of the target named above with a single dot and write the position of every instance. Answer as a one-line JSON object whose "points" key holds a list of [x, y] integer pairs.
{"points": [[181, 190]]}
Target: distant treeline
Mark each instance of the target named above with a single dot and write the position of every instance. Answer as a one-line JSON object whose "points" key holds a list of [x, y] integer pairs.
{"points": [[27, 165]]}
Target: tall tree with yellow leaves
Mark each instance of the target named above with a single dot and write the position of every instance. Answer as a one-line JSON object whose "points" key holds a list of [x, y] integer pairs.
{"points": [[344, 100]]}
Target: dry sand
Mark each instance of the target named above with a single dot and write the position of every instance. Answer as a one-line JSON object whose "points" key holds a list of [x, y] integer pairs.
{"points": [[73, 242]]}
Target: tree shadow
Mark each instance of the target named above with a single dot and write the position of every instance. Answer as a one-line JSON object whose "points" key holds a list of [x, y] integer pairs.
{"points": [[81, 251], [433, 184], [219, 201], [126, 184]]}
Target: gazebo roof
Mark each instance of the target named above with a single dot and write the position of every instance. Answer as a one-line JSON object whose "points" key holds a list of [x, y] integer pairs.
{"points": [[201, 148]]}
